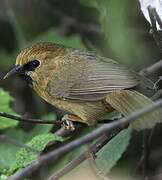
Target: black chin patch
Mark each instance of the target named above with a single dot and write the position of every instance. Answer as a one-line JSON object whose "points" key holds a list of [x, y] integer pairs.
{"points": [[27, 78]]}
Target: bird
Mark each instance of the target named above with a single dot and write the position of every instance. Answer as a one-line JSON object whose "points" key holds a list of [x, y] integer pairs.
{"points": [[83, 84]]}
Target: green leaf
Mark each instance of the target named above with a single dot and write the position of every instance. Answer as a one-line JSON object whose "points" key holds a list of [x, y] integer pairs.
{"points": [[52, 36], [8, 150], [5, 100], [108, 156], [25, 156]]}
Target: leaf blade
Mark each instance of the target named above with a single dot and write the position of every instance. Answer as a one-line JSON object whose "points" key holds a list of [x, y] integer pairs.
{"points": [[109, 155]]}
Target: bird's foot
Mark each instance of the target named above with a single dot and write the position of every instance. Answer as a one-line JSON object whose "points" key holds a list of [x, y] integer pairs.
{"points": [[68, 125], [67, 122]]}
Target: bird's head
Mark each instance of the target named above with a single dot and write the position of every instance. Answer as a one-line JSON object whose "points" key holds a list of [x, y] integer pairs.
{"points": [[36, 61]]}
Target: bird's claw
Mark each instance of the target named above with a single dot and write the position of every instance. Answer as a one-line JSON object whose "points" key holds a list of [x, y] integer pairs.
{"points": [[67, 124]]}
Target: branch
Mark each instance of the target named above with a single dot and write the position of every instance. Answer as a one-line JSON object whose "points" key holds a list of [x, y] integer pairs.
{"points": [[145, 159], [28, 120], [55, 154], [152, 69], [38, 121], [153, 17], [156, 15], [67, 132], [103, 140]]}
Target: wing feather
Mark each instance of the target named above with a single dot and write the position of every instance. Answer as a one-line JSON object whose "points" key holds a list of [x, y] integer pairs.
{"points": [[87, 76]]}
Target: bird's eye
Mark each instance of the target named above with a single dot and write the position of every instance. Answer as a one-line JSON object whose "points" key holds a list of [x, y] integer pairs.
{"points": [[35, 63], [32, 65]]}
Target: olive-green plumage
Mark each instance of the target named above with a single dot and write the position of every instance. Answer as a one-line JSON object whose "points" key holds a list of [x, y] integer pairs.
{"points": [[74, 80]]}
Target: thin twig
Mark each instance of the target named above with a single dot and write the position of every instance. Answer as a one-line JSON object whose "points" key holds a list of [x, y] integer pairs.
{"points": [[28, 120], [38, 121], [55, 154]]}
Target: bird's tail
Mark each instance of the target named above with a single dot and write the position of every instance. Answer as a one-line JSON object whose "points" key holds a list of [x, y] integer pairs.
{"points": [[127, 102]]}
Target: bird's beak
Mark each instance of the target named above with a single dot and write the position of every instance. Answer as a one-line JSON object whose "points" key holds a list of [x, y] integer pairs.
{"points": [[18, 69]]}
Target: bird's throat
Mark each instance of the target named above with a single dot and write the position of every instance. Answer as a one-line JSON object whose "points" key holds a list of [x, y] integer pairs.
{"points": [[27, 78]]}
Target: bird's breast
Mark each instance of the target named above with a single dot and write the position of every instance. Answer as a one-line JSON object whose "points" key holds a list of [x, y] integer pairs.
{"points": [[89, 112]]}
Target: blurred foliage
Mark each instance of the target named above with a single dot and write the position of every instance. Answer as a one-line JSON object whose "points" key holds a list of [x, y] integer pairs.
{"points": [[39, 135], [53, 36], [7, 60], [5, 99], [26, 156], [8, 151], [125, 44]]}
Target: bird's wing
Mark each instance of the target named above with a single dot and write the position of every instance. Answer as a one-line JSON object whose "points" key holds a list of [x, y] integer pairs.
{"points": [[88, 77]]}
